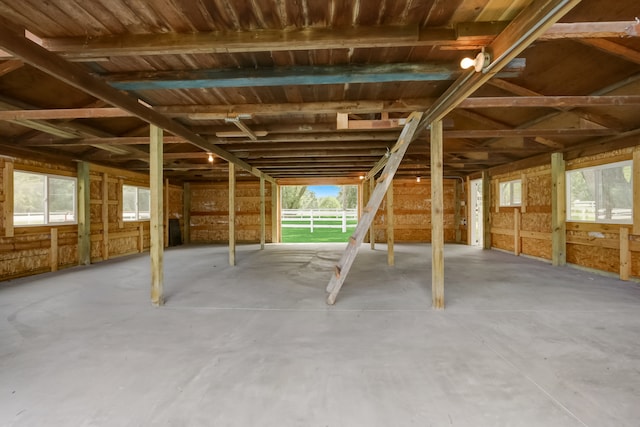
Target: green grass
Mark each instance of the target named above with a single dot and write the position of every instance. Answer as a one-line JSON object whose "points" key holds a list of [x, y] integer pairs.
{"points": [[326, 235]]}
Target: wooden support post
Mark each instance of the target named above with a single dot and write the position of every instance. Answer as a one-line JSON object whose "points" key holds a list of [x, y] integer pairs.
{"points": [[84, 214], [524, 193], [458, 208], [232, 214], [396, 154], [364, 190], [120, 196], [486, 210], [263, 221], [165, 222], [517, 242], [275, 219], [625, 254], [496, 198], [636, 191], [390, 219], [105, 216], [558, 210], [7, 206], [141, 237], [186, 213], [372, 231], [157, 235], [437, 217], [468, 212], [54, 249]]}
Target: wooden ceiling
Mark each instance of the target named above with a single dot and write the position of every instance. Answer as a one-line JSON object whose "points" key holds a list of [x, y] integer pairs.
{"points": [[314, 88]]}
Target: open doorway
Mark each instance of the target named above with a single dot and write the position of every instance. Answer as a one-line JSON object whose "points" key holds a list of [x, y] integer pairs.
{"points": [[476, 219], [318, 213]]}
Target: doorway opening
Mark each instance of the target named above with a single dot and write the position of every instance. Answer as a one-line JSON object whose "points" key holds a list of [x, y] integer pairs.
{"points": [[318, 213], [476, 218]]}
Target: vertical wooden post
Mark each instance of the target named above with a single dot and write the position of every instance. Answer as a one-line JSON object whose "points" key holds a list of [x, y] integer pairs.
{"points": [[7, 206], [105, 216], [141, 237], [636, 191], [524, 193], [517, 242], [274, 213], [486, 210], [437, 216], [120, 196], [84, 214], [625, 255], [156, 231], [458, 207], [232, 214], [263, 221], [558, 211], [496, 198], [165, 221], [186, 213], [372, 231], [365, 199], [390, 220], [54, 249], [468, 212]]}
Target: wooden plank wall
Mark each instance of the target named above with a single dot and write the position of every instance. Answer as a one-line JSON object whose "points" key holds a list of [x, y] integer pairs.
{"points": [[38, 249], [412, 212], [590, 245], [534, 214], [210, 212]]}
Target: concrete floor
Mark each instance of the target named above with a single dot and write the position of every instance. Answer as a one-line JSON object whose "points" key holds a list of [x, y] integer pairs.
{"points": [[521, 343]]}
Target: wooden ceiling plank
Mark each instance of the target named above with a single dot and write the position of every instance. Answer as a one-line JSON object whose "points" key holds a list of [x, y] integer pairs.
{"points": [[76, 76]]}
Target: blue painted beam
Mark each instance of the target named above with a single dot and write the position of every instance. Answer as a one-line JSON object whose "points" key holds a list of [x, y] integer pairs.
{"points": [[296, 76]]}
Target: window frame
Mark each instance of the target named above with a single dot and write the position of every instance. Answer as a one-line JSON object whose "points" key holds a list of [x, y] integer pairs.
{"points": [[137, 211], [622, 163], [510, 203], [46, 199]]}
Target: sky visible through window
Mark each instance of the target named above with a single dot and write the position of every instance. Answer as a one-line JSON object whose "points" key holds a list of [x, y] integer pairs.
{"points": [[325, 190]]}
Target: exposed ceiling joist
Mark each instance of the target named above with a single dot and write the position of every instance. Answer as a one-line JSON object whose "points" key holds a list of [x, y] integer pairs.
{"points": [[468, 35], [295, 76]]}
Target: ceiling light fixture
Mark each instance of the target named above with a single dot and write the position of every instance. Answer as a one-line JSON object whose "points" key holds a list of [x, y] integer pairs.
{"points": [[361, 177], [479, 63], [417, 179], [210, 158]]}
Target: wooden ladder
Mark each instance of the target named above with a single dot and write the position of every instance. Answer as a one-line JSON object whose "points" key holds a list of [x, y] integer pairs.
{"points": [[395, 156]]}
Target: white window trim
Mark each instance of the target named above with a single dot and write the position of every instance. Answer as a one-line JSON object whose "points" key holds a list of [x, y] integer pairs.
{"points": [[511, 202], [622, 163], [137, 218], [46, 199]]}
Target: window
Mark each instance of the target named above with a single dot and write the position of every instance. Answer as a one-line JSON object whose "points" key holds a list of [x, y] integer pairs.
{"points": [[601, 194], [136, 203], [40, 199], [511, 193]]}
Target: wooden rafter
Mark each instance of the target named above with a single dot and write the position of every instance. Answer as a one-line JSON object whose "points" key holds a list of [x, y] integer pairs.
{"points": [[467, 35], [293, 76]]}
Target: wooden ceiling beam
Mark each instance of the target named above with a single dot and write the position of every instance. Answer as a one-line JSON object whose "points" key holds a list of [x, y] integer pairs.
{"points": [[79, 78], [613, 48], [469, 35], [295, 76], [7, 67]]}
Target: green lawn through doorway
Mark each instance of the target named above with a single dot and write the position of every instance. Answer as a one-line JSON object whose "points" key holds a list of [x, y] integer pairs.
{"points": [[326, 235]]}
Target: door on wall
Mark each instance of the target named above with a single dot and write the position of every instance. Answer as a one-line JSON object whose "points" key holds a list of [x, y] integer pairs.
{"points": [[477, 232]]}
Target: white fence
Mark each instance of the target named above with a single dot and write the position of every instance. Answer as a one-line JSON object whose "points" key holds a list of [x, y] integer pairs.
{"points": [[318, 218]]}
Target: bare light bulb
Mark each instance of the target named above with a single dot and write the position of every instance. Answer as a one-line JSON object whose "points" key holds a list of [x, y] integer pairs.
{"points": [[417, 179], [210, 158], [361, 177], [467, 63]]}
